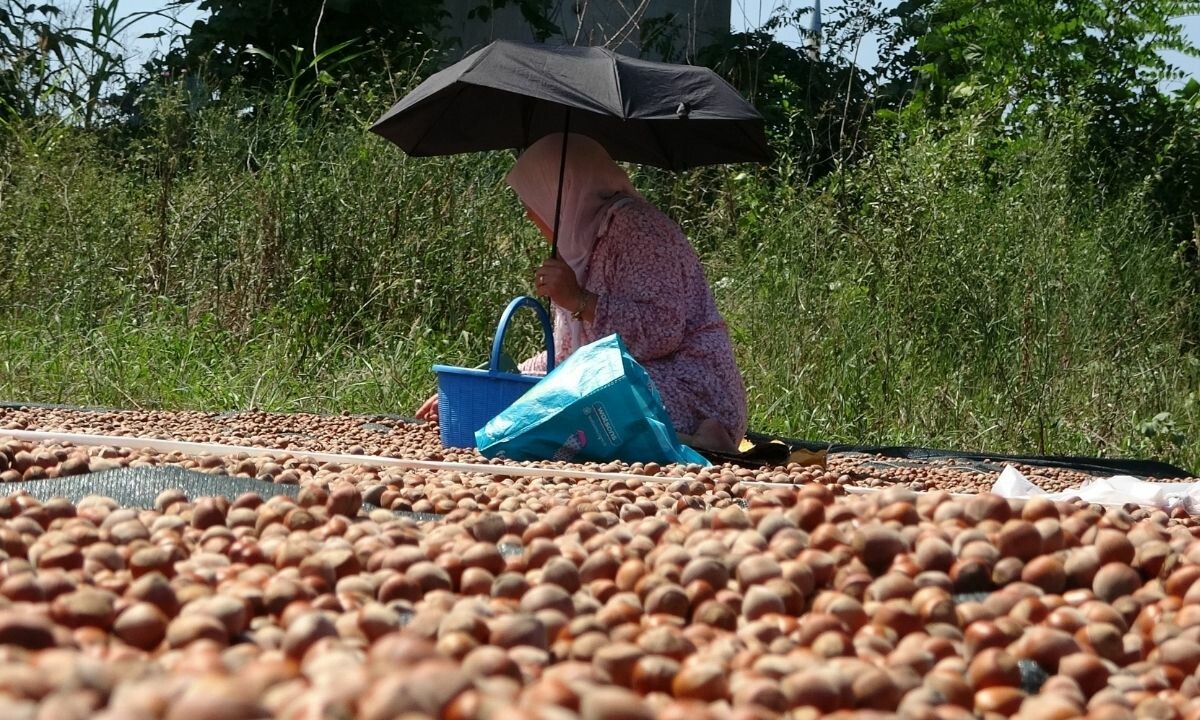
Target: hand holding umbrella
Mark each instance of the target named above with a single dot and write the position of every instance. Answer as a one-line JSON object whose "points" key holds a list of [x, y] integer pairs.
{"points": [[557, 281]]}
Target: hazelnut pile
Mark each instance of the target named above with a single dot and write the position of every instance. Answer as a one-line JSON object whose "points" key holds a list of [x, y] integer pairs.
{"points": [[391, 436], [689, 594]]}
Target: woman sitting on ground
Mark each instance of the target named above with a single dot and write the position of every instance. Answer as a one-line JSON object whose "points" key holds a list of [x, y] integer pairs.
{"points": [[624, 267]]}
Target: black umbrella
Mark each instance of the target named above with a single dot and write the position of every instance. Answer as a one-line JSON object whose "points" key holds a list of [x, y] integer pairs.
{"points": [[508, 95]]}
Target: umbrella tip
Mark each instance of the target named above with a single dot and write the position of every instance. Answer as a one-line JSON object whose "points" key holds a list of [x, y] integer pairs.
{"points": [[683, 110]]}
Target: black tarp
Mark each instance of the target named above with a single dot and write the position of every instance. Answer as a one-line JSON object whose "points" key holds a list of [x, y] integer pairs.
{"points": [[1093, 465]]}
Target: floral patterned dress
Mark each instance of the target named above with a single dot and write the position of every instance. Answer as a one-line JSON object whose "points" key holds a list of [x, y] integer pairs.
{"points": [[652, 291]]}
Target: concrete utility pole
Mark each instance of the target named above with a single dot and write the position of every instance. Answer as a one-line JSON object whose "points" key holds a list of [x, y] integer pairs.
{"points": [[685, 25], [813, 43]]}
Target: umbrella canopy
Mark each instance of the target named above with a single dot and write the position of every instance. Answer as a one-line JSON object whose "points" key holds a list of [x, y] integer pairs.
{"points": [[508, 95]]}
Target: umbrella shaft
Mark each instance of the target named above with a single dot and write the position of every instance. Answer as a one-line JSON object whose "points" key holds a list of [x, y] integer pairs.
{"points": [[562, 168]]}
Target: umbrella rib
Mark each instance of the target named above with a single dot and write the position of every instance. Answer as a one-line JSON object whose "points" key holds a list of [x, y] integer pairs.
{"points": [[653, 127], [461, 85], [617, 81], [745, 131], [479, 56], [445, 108], [526, 120]]}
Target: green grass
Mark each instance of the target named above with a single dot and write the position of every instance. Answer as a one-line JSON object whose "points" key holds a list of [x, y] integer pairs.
{"points": [[929, 295]]}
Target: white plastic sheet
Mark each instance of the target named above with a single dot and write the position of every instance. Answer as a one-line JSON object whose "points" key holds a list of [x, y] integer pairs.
{"points": [[1117, 490]]}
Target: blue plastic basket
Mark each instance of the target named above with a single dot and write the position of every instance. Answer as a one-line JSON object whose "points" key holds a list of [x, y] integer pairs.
{"points": [[468, 398]]}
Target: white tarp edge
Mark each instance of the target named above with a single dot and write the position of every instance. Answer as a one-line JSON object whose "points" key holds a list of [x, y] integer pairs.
{"points": [[1117, 490]]}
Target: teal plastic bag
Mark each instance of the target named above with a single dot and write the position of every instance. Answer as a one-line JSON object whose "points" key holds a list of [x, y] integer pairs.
{"points": [[598, 405]]}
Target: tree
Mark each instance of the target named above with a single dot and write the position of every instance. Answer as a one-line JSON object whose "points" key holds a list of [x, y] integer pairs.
{"points": [[1029, 55], [217, 44], [1018, 61], [814, 107], [535, 12]]}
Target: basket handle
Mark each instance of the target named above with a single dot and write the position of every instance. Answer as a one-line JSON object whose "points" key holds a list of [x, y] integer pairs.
{"points": [[502, 330]]}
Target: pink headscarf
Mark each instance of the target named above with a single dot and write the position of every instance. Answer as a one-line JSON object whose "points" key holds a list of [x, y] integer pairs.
{"points": [[593, 188]]}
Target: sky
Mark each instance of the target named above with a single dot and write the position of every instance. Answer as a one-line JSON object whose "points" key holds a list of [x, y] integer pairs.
{"points": [[745, 14]]}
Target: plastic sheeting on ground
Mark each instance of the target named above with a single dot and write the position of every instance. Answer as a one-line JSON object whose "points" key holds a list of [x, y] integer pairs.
{"points": [[1117, 490], [138, 487], [1093, 465]]}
